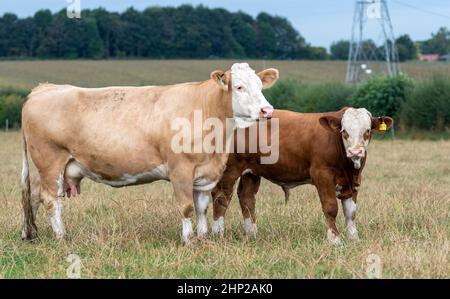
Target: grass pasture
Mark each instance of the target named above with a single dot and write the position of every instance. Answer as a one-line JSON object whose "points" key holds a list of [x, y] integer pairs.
{"points": [[403, 217], [403, 211], [96, 73]]}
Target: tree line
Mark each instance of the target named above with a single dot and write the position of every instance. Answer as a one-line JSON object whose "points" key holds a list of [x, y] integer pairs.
{"points": [[439, 43], [177, 32], [156, 32]]}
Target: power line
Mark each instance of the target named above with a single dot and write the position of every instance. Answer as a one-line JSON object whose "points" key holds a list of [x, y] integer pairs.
{"points": [[421, 9]]}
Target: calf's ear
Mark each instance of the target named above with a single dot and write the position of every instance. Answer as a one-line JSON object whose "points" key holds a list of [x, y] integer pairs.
{"points": [[382, 124], [221, 78], [331, 123], [269, 77]]}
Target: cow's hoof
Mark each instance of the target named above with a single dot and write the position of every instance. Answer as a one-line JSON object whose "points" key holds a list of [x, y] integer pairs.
{"points": [[61, 237], [188, 242], [353, 238], [29, 234], [252, 235], [187, 232], [205, 241], [64, 238]]}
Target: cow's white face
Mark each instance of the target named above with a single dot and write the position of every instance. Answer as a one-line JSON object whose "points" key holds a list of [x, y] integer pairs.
{"points": [[355, 127], [248, 101]]}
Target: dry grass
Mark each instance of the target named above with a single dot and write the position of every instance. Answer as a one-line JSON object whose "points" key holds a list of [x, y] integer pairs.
{"points": [[27, 74], [403, 216]]}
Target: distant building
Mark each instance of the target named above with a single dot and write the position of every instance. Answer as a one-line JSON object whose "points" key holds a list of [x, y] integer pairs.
{"points": [[429, 57], [445, 57]]}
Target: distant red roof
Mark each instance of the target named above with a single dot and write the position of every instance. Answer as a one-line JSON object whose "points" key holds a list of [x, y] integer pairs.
{"points": [[429, 57]]}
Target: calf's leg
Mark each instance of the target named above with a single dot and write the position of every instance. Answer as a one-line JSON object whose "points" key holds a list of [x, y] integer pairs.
{"points": [[349, 207], [324, 183], [221, 195], [247, 189]]}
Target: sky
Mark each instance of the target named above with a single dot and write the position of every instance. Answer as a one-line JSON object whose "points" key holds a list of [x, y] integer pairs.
{"points": [[320, 22]]}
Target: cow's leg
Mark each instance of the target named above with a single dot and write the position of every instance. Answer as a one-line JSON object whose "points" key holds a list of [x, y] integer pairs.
{"points": [[221, 196], [247, 189], [349, 207], [51, 173], [324, 182], [201, 201], [183, 188], [52, 194], [35, 194]]}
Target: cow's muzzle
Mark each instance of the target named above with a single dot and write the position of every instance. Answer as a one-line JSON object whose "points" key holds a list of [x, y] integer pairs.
{"points": [[266, 112]]}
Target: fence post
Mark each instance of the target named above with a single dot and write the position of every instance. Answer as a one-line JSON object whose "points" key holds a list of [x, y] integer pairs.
{"points": [[392, 133], [7, 124]]}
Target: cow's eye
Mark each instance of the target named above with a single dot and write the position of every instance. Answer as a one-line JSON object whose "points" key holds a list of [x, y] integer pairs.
{"points": [[366, 135], [345, 134], [240, 88]]}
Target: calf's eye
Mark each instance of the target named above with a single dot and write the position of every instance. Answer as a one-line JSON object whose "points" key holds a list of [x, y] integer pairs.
{"points": [[345, 134], [366, 135]]}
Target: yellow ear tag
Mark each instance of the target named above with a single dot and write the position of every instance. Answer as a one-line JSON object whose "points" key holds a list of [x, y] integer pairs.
{"points": [[383, 127]]}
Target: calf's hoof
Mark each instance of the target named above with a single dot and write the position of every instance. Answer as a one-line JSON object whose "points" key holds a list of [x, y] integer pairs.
{"points": [[251, 230], [352, 234], [334, 239], [218, 227]]}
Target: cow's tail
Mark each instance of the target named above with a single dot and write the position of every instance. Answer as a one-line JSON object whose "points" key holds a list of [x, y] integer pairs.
{"points": [[286, 193], [29, 230]]}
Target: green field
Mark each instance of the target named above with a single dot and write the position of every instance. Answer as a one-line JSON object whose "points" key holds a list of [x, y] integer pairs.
{"points": [[403, 217], [89, 73]]}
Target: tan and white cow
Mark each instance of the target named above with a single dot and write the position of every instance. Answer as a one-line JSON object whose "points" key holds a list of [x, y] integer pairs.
{"points": [[121, 136], [327, 150]]}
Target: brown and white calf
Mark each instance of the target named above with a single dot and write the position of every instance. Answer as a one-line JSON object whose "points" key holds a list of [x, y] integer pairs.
{"points": [[123, 136], [327, 150]]}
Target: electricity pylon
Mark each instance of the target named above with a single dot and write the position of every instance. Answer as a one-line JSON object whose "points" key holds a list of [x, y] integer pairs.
{"points": [[372, 47]]}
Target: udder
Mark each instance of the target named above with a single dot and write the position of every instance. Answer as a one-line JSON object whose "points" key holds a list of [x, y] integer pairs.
{"points": [[72, 179]]}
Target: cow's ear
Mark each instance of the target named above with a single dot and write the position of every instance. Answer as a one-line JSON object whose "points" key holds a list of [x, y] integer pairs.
{"points": [[269, 77], [331, 123], [221, 78], [382, 124]]}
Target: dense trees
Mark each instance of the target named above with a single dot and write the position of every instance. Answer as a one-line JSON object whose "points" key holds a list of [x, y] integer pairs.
{"points": [[439, 43], [339, 50], [156, 32], [178, 32], [407, 49]]}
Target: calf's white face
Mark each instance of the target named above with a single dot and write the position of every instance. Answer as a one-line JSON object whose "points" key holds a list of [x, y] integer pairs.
{"points": [[355, 128], [356, 125], [248, 101]]}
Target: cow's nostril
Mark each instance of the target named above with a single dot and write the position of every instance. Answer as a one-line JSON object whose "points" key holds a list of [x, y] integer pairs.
{"points": [[267, 112]]}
